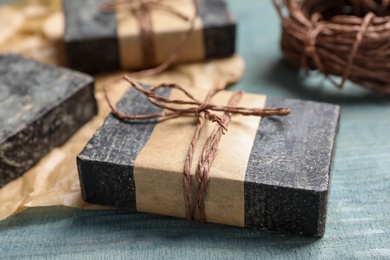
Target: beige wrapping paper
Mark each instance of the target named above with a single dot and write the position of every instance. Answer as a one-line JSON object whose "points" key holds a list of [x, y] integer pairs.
{"points": [[36, 32], [158, 171], [168, 28]]}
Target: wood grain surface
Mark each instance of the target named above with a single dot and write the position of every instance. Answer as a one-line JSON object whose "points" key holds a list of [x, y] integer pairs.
{"points": [[359, 208]]}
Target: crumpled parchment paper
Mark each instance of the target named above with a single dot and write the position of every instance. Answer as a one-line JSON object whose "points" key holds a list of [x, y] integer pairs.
{"points": [[34, 28]]}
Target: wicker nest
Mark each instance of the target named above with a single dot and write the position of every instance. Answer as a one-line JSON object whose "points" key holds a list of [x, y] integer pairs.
{"points": [[347, 38]]}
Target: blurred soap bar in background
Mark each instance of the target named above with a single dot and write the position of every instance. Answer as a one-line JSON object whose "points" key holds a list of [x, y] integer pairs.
{"points": [[97, 41], [41, 107]]}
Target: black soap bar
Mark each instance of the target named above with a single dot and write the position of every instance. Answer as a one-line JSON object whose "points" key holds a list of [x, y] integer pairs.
{"points": [[92, 41], [41, 107], [286, 184]]}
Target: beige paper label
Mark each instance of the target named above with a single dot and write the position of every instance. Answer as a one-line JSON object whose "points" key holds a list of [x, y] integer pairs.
{"points": [[158, 169], [168, 28]]}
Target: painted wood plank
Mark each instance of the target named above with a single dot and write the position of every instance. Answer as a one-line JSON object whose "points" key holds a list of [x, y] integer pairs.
{"points": [[359, 211]]}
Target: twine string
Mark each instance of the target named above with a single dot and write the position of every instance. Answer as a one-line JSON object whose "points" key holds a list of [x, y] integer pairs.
{"points": [[203, 110], [142, 9], [208, 156], [342, 38]]}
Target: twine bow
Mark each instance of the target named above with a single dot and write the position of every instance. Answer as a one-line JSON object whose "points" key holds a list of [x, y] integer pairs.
{"points": [[203, 110], [142, 9]]}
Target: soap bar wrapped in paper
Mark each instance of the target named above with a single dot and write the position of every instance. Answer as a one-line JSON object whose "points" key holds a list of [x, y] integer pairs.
{"points": [[131, 38], [41, 107], [269, 173]]}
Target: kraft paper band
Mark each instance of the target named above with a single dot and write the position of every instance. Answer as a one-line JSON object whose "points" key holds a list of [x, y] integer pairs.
{"points": [[168, 29], [158, 169]]}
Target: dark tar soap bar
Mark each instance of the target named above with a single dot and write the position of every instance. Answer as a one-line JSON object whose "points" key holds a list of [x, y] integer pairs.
{"points": [[287, 177], [92, 42], [41, 107]]}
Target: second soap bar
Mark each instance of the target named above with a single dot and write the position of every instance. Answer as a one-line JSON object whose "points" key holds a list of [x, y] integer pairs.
{"points": [[41, 106], [131, 38]]}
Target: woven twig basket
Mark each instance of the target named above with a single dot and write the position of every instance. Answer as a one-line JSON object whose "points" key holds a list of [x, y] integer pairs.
{"points": [[347, 38]]}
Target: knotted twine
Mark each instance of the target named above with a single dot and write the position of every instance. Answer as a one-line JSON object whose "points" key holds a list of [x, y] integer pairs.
{"points": [[347, 38], [142, 9], [203, 111]]}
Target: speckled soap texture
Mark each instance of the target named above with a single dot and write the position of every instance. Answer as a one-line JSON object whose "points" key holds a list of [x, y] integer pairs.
{"points": [[41, 107], [92, 44], [287, 178]]}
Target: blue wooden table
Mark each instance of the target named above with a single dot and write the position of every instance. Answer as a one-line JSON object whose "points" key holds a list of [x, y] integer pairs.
{"points": [[359, 209]]}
